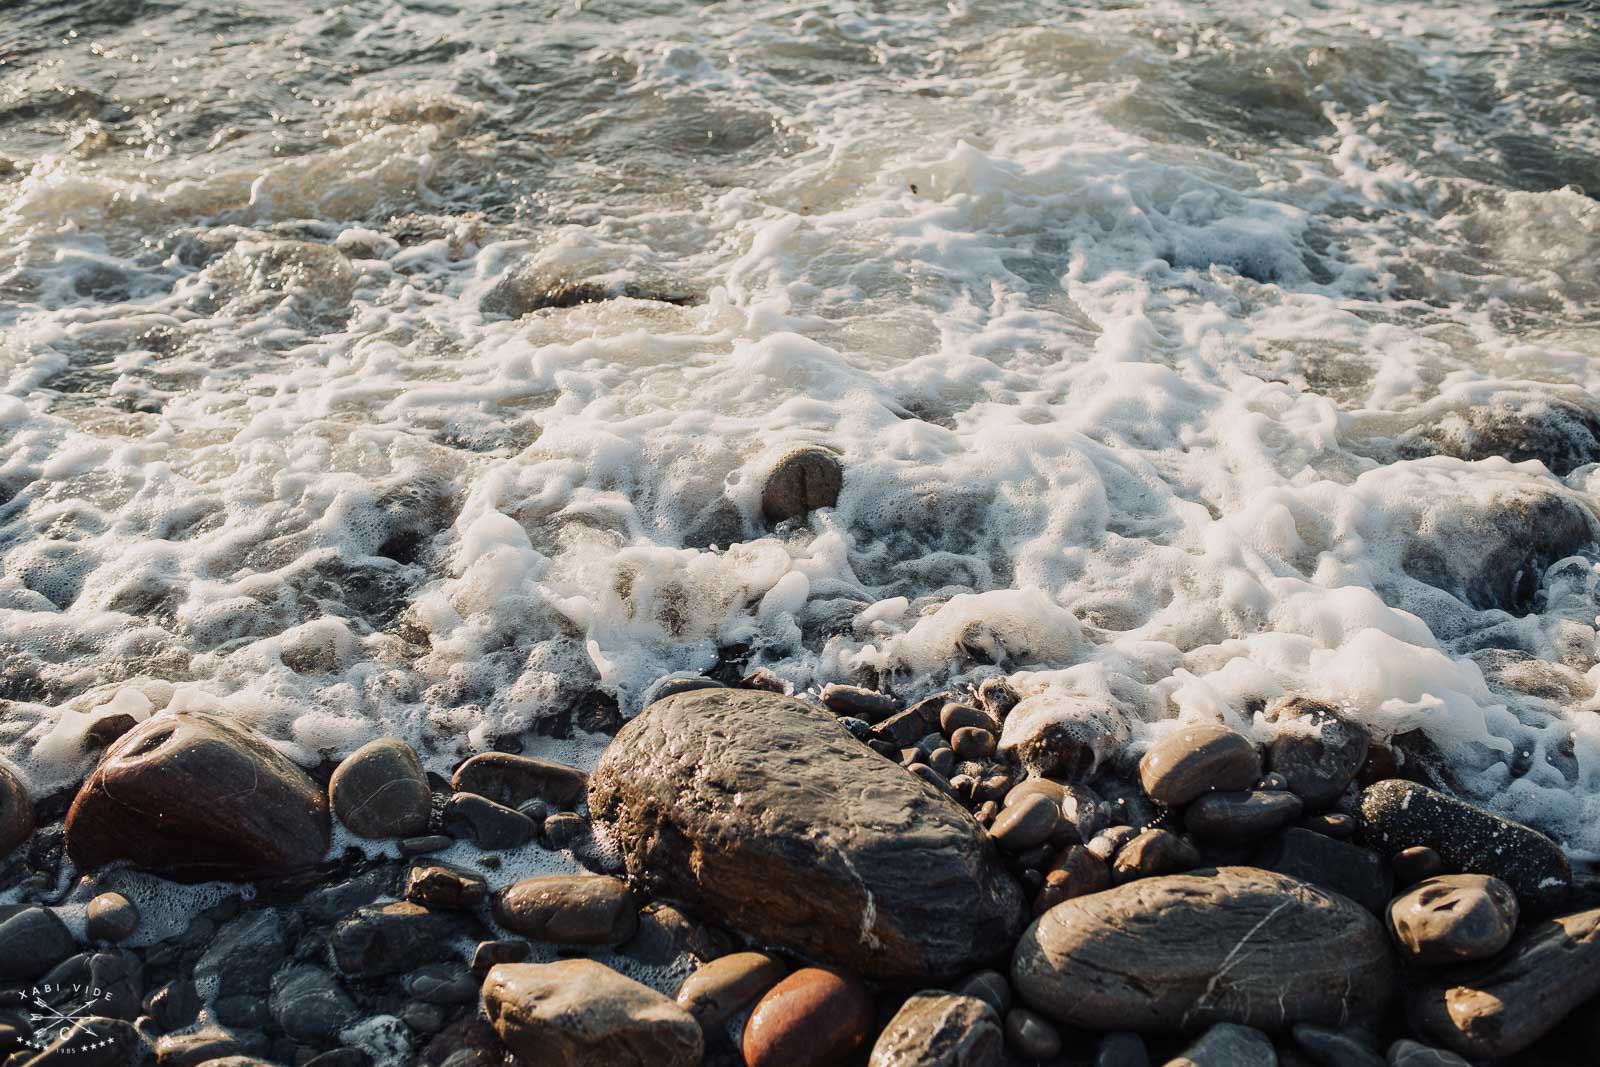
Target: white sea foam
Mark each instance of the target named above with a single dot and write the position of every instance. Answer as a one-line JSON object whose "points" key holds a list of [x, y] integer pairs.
{"points": [[1113, 317]]}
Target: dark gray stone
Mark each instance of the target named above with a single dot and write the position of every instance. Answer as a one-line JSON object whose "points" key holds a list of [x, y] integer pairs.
{"points": [[1408, 1053], [310, 1005], [492, 827], [1228, 1045], [380, 791], [32, 941], [830, 850], [244, 954], [1027, 823], [1397, 814], [1122, 1050], [440, 885], [384, 939], [442, 983], [514, 780], [1338, 866], [1237, 817], [858, 702], [1234, 944], [936, 1029], [1336, 1048], [1317, 750]]}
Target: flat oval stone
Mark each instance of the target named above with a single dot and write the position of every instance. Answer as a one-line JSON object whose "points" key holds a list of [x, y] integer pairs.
{"points": [[193, 798], [569, 909], [1025, 824], [1397, 814], [513, 780], [1454, 918], [769, 817], [1501, 1006], [579, 1013], [1338, 866], [858, 702], [1180, 951], [813, 1018], [1232, 818], [16, 812], [938, 1029], [381, 791], [1228, 1045], [32, 941], [1196, 759], [727, 985]]}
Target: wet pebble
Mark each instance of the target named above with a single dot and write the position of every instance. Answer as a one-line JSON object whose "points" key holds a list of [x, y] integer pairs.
{"points": [[310, 1005], [813, 1018], [1347, 869], [513, 780], [1151, 853], [726, 986], [1122, 1050], [955, 716], [487, 954], [1336, 1048], [112, 917], [1453, 918], [972, 742], [1317, 751], [990, 987], [1196, 759], [441, 885], [492, 827], [32, 941], [1025, 824], [858, 702], [569, 909], [582, 1013], [1228, 1045], [1408, 1053], [564, 830], [937, 1029], [1237, 817], [442, 983], [1412, 865], [380, 791]]}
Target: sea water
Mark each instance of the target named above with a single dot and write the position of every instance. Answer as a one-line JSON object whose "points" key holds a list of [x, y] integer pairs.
{"points": [[414, 368]]}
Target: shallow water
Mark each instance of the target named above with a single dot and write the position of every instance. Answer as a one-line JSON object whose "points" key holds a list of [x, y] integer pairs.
{"points": [[1120, 316]]}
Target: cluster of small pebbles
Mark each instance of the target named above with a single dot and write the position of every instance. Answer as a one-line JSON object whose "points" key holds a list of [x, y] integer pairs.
{"points": [[839, 879]]}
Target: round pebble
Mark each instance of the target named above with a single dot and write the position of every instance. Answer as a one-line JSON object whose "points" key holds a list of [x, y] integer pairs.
{"points": [[813, 1018], [972, 742], [1454, 918], [1196, 759], [112, 917], [1412, 865]]}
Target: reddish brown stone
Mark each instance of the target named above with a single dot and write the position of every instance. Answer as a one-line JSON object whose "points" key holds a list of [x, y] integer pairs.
{"points": [[813, 1018], [192, 797]]}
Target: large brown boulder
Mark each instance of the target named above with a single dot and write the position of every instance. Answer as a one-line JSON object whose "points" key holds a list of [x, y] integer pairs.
{"points": [[1498, 1008], [1179, 952], [766, 814], [193, 798]]}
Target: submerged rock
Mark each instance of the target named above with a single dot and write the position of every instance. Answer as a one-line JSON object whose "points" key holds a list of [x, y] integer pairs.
{"points": [[32, 940], [1560, 431], [1398, 814], [579, 1013], [1234, 944], [193, 798], [1500, 1007], [768, 816]]}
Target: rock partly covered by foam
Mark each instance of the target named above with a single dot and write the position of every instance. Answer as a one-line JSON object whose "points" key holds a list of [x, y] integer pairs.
{"points": [[1234, 944], [192, 798], [765, 813], [579, 1013], [1398, 814], [803, 480], [1500, 1007], [1059, 734]]}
